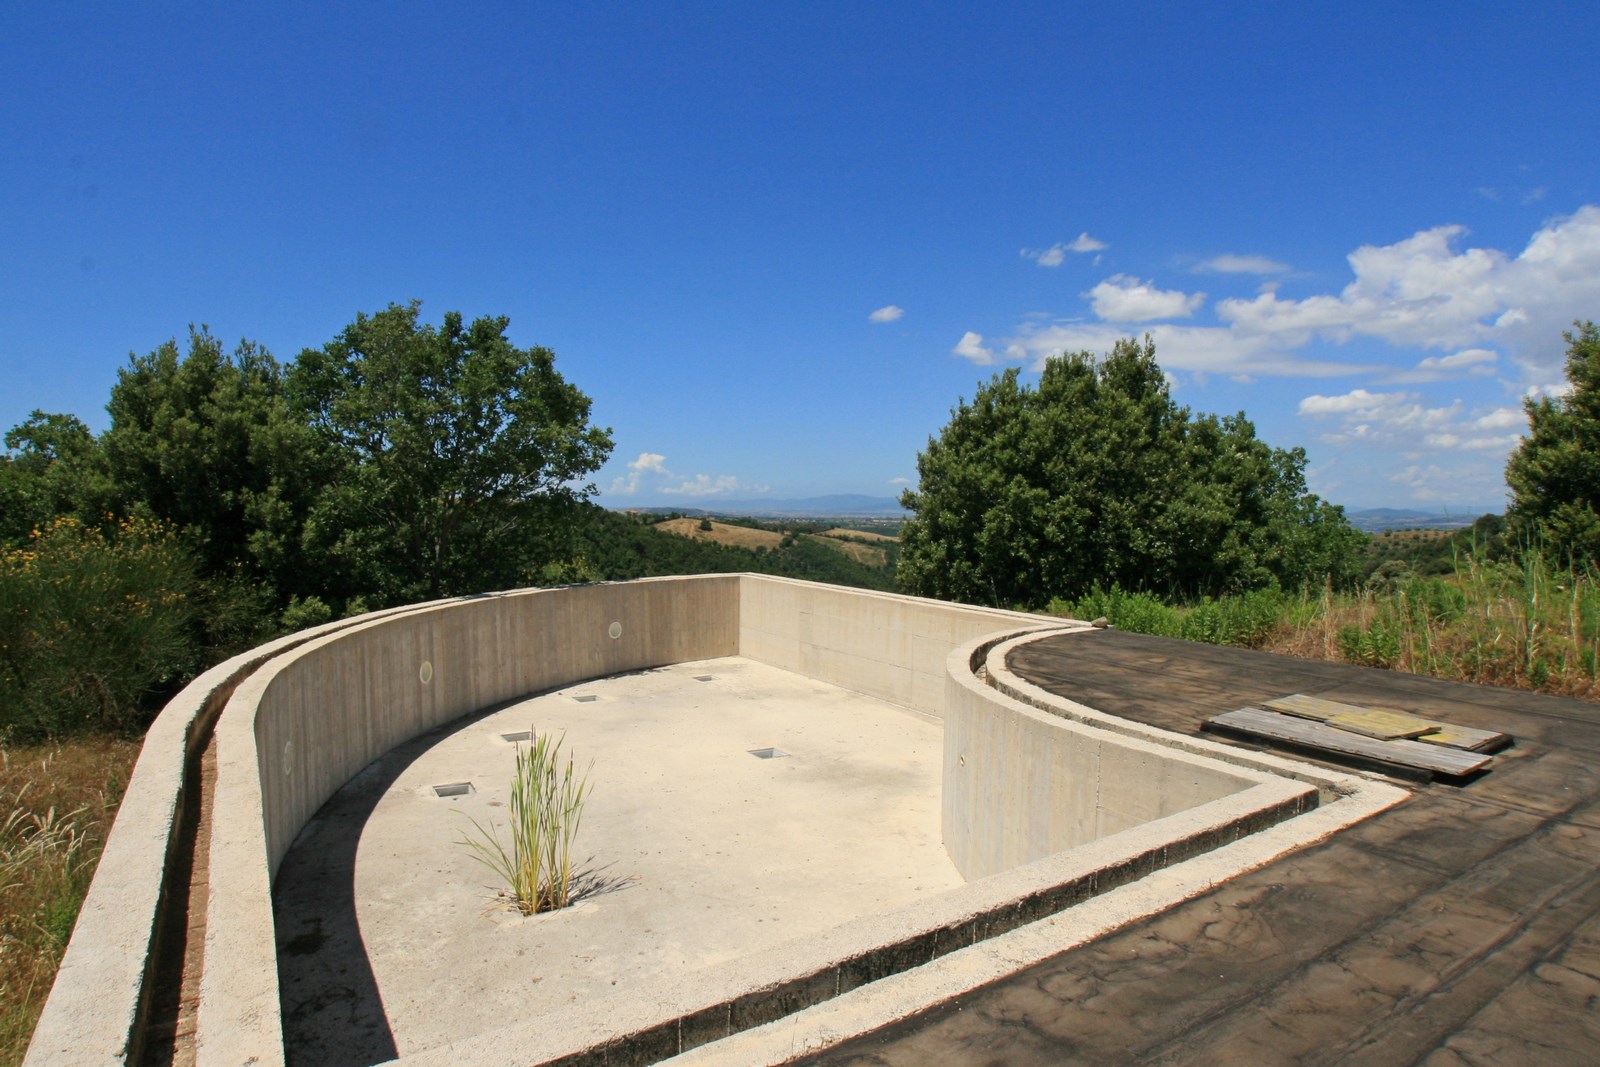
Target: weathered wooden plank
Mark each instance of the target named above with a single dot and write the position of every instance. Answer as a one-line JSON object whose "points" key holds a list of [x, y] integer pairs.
{"points": [[1466, 737], [1304, 707], [1443, 733], [1434, 759], [1383, 724]]}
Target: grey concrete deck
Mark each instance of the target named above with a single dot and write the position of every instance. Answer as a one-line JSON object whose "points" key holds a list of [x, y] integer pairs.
{"points": [[391, 938], [1461, 926]]}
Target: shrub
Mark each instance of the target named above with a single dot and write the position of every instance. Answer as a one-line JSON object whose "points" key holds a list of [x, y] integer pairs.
{"points": [[92, 627]]}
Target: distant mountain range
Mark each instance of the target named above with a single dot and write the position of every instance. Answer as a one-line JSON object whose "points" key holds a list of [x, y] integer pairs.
{"points": [[1376, 520], [855, 505]]}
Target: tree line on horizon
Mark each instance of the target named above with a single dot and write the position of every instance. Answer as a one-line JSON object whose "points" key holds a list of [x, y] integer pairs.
{"points": [[235, 497], [1094, 479]]}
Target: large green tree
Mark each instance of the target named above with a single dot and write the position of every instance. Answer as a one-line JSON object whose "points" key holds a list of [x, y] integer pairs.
{"points": [[457, 455], [53, 465], [206, 441], [1554, 474], [1096, 477]]}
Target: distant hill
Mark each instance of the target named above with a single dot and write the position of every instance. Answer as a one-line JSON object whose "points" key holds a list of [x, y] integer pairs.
{"points": [[1376, 520], [841, 505]]}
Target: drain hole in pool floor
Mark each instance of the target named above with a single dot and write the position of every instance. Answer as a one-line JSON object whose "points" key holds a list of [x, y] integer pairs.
{"points": [[768, 753]]}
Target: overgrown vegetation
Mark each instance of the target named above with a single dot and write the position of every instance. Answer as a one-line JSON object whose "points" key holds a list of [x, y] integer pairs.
{"points": [[93, 626], [56, 806], [1517, 620], [547, 799], [1246, 619]]}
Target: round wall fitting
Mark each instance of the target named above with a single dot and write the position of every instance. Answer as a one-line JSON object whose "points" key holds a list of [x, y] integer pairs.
{"points": [[615, 631], [425, 672]]}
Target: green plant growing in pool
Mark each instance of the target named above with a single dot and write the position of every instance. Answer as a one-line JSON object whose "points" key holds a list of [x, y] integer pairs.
{"points": [[547, 799]]}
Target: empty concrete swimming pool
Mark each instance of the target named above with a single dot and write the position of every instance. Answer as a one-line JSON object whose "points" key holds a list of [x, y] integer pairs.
{"points": [[921, 826]]}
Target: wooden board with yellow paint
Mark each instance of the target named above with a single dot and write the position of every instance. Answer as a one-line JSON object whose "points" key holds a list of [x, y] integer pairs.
{"points": [[1388, 723]]}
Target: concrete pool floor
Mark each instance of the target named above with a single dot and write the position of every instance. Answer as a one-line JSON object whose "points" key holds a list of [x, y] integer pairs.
{"points": [[695, 853]]}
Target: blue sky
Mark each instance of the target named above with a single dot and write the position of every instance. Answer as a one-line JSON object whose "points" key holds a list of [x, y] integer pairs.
{"points": [[776, 244]]}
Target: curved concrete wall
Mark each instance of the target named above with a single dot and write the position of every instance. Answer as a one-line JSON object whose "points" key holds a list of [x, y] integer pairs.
{"points": [[1021, 784], [306, 714]]}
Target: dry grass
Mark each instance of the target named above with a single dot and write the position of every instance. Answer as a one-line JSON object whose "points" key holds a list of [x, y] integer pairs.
{"points": [[1518, 626], [871, 555], [723, 533], [845, 534], [56, 807], [851, 543]]}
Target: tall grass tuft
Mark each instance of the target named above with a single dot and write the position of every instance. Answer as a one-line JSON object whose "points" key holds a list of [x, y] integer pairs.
{"points": [[547, 800]]}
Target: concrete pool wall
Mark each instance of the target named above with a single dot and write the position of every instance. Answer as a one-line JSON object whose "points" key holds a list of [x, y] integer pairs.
{"points": [[303, 715]]}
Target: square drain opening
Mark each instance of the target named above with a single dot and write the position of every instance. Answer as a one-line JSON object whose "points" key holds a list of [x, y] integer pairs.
{"points": [[586, 698], [452, 789], [768, 753], [705, 677], [520, 735]]}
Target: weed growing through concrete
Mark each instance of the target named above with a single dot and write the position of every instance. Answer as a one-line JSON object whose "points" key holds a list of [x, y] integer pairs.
{"points": [[547, 801]]}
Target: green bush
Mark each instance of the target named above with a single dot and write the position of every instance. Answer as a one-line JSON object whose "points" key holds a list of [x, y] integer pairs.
{"points": [[1376, 645], [93, 627], [1246, 619]]}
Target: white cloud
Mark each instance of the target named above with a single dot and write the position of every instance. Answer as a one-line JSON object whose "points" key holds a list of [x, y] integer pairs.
{"points": [[971, 347], [1402, 422], [886, 314], [1234, 264], [899, 481], [647, 463], [1357, 400], [1473, 360], [1468, 363], [1056, 254], [1450, 484], [705, 485], [1548, 389], [1502, 419], [1421, 293], [1046, 257], [1121, 298], [1208, 349], [1477, 309]]}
